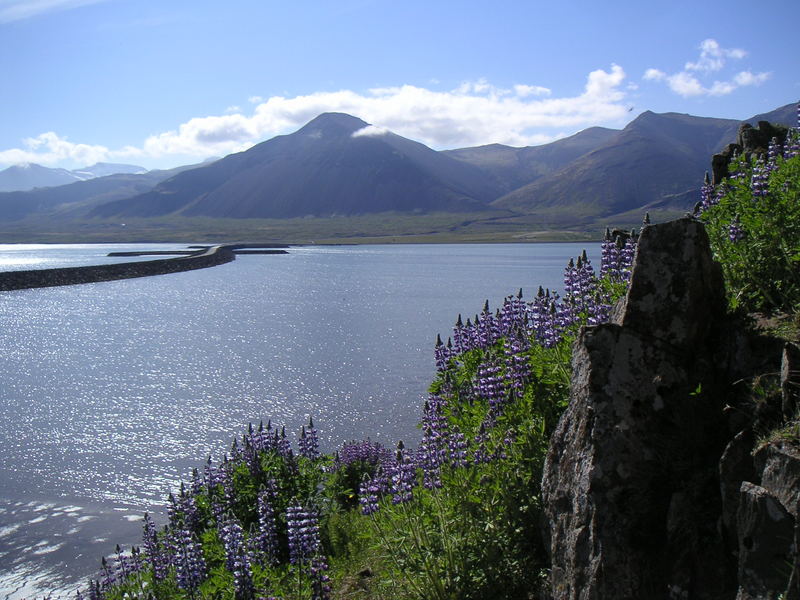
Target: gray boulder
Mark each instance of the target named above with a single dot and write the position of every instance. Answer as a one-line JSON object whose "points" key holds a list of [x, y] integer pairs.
{"points": [[766, 531]]}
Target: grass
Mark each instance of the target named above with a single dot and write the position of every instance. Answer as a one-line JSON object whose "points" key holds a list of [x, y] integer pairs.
{"points": [[383, 228]]}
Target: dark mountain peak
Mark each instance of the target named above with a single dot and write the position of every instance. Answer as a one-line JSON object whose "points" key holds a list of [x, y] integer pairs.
{"points": [[332, 124], [651, 119]]}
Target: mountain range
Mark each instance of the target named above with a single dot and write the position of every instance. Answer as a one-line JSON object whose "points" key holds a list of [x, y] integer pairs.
{"points": [[338, 165], [28, 176]]}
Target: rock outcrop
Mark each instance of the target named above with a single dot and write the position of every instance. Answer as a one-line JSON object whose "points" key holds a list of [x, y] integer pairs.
{"points": [[750, 140], [651, 488]]}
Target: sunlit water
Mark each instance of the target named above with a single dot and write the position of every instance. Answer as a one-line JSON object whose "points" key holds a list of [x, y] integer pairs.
{"points": [[111, 392]]}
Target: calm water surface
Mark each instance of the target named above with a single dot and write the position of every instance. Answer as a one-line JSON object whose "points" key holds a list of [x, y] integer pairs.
{"points": [[111, 392]]}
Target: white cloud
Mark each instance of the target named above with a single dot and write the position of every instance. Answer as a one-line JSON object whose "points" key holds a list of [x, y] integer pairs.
{"points": [[713, 58], [50, 149], [523, 91], [685, 85], [370, 131], [748, 78], [17, 10], [475, 113], [654, 75]]}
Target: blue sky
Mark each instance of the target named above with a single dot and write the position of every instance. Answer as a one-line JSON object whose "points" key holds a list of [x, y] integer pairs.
{"points": [[165, 83]]}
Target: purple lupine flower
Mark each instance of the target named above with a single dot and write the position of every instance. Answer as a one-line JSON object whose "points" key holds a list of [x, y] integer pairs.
{"points": [[485, 328], [154, 551], [468, 338], [136, 560], [109, 575], [735, 231], [122, 566], [370, 491], [197, 482], [433, 447], [251, 456], [94, 591], [773, 152], [457, 445], [792, 146], [367, 452], [517, 366], [458, 336], [707, 196], [489, 384], [261, 440], [232, 536], [226, 475], [626, 257], [402, 476], [236, 451], [599, 310], [441, 354], [217, 511], [303, 534], [541, 319], [184, 510], [320, 582], [512, 317], [237, 559], [759, 181], [210, 475], [190, 567], [265, 542], [309, 441], [609, 256], [580, 285], [283, 445]]}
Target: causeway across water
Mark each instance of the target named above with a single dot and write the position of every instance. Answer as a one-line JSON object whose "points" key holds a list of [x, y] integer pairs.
{"points": [[198, 257]]}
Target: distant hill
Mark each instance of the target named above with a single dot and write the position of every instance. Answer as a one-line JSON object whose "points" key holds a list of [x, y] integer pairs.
{"points": [[515, 167], [656, 157], [785, 115], [335, 165], [31, 176], [103, 169], [75, 199]]}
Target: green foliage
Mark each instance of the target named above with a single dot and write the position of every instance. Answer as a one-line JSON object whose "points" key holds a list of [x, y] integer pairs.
{"points": [[762, 269]]}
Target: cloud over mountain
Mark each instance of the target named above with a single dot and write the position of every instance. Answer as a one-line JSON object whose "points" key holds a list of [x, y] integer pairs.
{"points": [[474, 113]]}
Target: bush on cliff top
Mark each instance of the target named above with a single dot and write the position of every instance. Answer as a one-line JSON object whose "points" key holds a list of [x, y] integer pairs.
{"points": [[753, 221]]}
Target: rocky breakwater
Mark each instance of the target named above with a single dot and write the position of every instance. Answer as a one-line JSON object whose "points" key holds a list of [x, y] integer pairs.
{"points": [[200, 259], [655, 485]]}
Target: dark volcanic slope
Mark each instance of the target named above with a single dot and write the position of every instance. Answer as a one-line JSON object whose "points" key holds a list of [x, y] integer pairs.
{"points": [[655, 156], [321, 170], [515, 167]]}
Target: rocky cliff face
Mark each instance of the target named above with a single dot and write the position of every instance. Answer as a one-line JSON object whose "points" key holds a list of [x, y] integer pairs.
{"points": [[653, 487]]}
